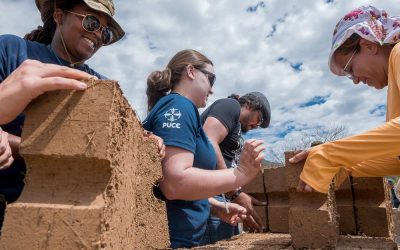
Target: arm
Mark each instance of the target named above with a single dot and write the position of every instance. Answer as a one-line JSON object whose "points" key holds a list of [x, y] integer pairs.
{"points": [[358, 154], [216, 133], [184, 182], [31, 79]]}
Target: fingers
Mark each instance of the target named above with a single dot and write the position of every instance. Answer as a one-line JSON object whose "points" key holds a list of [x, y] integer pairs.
{"points": [[59, 83], [5, 151], [51, 70], [299, 157], [252, 224], [257, 202], [303, 187]]}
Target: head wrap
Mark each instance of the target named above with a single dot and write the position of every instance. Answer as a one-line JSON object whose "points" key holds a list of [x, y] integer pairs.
{"points": [[368, 22]]}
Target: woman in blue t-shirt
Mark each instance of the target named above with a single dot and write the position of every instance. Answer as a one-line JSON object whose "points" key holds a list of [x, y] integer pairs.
{"points": [[72, 31], [189, 166]]}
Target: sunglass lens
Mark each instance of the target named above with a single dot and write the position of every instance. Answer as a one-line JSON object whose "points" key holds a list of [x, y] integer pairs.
{"points": [[211, 78], [106, 35], [91, 23]]}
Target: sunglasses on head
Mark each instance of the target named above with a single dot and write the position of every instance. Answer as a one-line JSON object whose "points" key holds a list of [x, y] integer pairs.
{"points": [[211, 77], [92, 24]]}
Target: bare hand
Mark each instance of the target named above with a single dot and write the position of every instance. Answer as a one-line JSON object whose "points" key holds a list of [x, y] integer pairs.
{"points": [[236, 214], [6, 157], [37, 77], [159, 140], [250, 159], [31, 79], [303, 187], [300, 156], [253, 220]]}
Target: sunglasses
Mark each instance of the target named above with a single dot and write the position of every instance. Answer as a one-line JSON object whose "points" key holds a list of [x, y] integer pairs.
{"points": [[92, 24], [210, 76]]}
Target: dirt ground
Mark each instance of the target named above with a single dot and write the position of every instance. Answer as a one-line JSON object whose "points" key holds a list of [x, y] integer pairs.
{"points": [[271, 241]]}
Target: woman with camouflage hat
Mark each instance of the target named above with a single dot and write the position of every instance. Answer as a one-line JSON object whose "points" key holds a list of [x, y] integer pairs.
{"points": [[365, 48], [72, 31]]}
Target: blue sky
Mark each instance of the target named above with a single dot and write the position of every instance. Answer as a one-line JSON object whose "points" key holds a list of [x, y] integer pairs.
{"points": [[276, 47]]}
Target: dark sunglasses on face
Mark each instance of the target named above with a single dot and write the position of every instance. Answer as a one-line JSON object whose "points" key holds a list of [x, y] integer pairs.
{"points": [[92, 24], [211, 77]]}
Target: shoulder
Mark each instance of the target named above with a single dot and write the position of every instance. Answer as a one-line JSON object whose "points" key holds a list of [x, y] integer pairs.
{"points": [[11, 41], [227, 103]]}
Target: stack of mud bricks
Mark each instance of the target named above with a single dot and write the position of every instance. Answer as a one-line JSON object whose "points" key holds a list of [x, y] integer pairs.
{"points": [[89, 178], [315, 220]]}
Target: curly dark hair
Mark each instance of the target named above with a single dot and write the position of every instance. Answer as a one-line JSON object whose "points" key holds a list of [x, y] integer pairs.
{"points": [[44, 34]]}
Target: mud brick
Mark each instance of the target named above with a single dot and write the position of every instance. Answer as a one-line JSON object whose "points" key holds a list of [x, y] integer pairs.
{"points": [[278, 212], [256, 186], [370, 207], [313, 218], [262, 212], [89, 178], [275, 180], [344, 202]]}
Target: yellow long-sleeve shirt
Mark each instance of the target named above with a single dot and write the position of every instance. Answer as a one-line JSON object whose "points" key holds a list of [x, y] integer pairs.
{"points": [[374, 153]]}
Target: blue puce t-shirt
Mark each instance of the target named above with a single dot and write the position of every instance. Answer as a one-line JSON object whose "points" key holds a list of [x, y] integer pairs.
{"points": [[176, 119], [13, 52]]}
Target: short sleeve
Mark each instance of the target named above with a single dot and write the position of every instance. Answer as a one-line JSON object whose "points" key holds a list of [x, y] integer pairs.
{"points": [[13, 52], [177, 123], [227, 111]]}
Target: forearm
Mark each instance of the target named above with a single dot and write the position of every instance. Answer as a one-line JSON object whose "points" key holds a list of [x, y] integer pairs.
{"points": [[324, 161], [195, 183]]}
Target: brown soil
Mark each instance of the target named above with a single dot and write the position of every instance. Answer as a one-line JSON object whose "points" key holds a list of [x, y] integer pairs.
{"points": [[284, 241], [90, 176]]}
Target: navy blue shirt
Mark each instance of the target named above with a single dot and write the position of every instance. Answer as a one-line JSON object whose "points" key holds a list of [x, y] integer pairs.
{"points": [[13, 51], [176, 119]]}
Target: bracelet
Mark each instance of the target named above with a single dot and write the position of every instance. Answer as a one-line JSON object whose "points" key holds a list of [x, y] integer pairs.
{"points": [[235, 194]]}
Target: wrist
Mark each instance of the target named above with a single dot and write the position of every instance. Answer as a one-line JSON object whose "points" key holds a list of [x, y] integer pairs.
{"points": [[235, 194]]}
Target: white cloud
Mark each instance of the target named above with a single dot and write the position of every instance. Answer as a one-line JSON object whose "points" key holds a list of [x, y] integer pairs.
{"points": [[245, 58]]}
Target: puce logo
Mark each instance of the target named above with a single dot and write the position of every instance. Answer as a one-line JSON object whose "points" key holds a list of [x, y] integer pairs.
{"points": [[172, 116]]}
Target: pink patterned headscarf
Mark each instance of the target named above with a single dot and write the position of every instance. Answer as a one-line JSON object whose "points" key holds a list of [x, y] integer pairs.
{"points": [[368, 22]]}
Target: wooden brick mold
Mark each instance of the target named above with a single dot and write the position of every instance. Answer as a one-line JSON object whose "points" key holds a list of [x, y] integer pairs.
{"points": [[313, 219], [90, 176]]}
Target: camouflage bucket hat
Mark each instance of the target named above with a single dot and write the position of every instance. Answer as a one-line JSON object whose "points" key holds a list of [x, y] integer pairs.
{"points": [[104, 6], [368, 22]]}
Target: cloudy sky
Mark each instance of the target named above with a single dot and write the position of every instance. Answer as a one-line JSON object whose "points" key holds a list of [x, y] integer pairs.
{"points": [[278, 47]]}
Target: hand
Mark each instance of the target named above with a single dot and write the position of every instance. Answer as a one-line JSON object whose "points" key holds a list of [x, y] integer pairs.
{"points": [[253, 221], [159, 140], [236, 214], [37, 77], [6, 157], [31, 79], [303, 187], [300, 156], [250, 160]]}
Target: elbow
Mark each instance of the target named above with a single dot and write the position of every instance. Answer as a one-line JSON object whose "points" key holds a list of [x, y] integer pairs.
{"points": [[172, 189]]}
